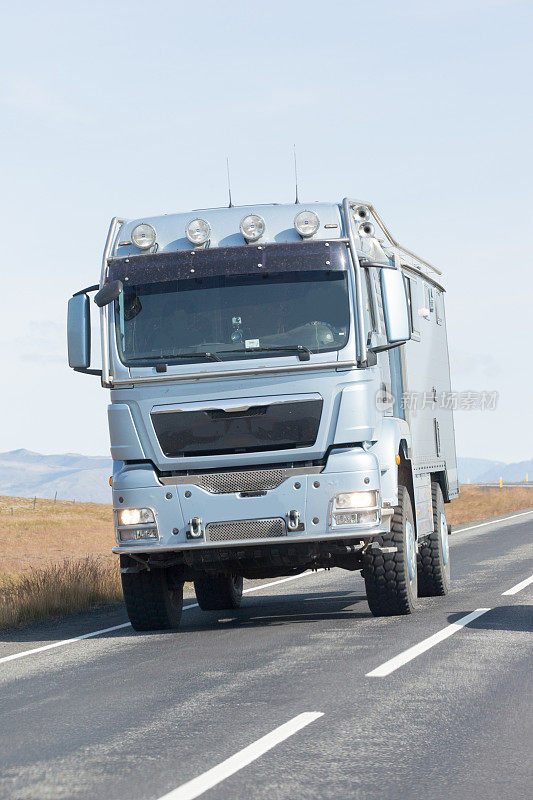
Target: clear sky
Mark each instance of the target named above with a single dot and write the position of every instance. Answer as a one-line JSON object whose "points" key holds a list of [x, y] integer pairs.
{"points": [[130, 108]]}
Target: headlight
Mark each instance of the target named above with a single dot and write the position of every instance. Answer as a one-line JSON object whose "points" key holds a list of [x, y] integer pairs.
{"points": [[135, 516], [198, 231], [306, 223], [355, 500], [143, 236], [252, 227]]}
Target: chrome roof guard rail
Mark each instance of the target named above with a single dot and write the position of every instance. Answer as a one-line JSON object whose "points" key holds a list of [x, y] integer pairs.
{"points": [[390, 237], [115, 224], [352, 235]]}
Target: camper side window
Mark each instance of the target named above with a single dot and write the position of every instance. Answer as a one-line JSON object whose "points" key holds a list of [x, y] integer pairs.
{"points": [[411, 287], [439, 308]]}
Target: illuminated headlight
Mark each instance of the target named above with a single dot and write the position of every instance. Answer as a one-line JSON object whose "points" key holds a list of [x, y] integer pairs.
{"points": [[355, 500], [143, 236], [198, 231], [252, 227], [135, 516], [306, 223]]}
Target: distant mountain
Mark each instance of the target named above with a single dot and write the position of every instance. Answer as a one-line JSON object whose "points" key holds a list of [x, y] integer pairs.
{"points": [[76, 477], [481, 470], [70, 475]]}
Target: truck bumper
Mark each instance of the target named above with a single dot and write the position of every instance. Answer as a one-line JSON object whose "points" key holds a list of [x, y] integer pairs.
{"points": [[240, 520]]}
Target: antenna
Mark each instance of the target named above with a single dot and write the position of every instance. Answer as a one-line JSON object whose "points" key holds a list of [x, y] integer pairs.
{"points": [[230, 205], [295, 174]]}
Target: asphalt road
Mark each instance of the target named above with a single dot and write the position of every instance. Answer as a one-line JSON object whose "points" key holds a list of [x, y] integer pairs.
{"points": [[276, 701]]}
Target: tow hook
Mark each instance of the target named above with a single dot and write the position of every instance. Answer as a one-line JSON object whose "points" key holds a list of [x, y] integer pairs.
{"points": [[293, 521], [196, 530], [381, 549]]}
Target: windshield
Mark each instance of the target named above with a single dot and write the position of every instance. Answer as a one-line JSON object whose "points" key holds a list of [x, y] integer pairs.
{"points": [[232, 316]]}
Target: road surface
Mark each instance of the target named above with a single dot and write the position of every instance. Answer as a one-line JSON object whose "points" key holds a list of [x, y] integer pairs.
{"points": [[299, 694]]}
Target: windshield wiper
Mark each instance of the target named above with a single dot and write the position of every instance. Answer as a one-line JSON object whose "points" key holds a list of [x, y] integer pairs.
{"points": [[212, 356], [304, 354]]}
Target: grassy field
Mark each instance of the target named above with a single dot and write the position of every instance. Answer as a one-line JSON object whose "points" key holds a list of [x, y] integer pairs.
{"points": [[55, 557]]}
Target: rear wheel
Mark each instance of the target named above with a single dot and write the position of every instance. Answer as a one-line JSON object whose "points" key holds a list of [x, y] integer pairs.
{"points": [[216, 592], [434, 552], [391, 578], [154, 599]]}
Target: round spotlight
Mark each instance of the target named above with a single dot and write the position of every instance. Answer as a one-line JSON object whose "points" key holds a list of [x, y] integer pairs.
{"points": [[366, 229], [143, 236], [252, 227], [306, 223], [361, 214], [198, 231]]}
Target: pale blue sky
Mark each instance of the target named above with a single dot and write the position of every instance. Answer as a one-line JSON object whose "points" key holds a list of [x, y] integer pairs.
{"points": [[130, 108]]}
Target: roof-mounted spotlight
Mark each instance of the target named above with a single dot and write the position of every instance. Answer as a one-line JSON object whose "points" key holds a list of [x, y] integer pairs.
{"points": [[366, 230], [252, 227], [306, 223], [143, 236], [361, 214], [198, 231]]}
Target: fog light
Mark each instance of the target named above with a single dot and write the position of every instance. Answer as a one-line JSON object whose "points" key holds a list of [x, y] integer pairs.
{"points": [[198, 231], [252, 227], [135, 516], [345, 519], [306, 223], [134, 534], [355, 500], [143, 236]]}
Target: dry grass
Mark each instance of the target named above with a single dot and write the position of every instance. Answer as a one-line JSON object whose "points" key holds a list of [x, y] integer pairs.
{"points": [[58, 589], [55, 557], [480, 502]]}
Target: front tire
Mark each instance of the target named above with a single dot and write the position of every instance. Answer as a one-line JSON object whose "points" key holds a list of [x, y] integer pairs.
{"points": [[154, 599], [391, 578], [217, 592], [434, 552]]}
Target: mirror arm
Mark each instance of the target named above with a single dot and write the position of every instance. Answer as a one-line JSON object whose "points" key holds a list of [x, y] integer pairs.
{"points": [[379, 348], [88, 289], [87, 371]]}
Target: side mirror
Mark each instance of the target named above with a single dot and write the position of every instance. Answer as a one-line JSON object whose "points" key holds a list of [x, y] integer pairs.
{"points": [[79, 332], [108, 293], [395, 308]]}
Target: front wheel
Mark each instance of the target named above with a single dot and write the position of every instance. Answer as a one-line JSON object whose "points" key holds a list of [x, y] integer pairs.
{"points": [[391, 578], [154, 599], [217, 592], [434, 552]]}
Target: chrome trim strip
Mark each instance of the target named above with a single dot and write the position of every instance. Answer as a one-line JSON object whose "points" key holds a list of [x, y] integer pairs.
{"points": [[233, 373]]}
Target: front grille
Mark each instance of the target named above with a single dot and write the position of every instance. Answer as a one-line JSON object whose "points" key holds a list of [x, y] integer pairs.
{"points": [[234, 530], [250, 481]]}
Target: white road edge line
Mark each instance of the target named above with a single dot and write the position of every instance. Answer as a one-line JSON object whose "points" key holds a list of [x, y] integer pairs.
{"points": [[492, 522], [62, 642], [408, 655], [197, 786], [519, 586]]}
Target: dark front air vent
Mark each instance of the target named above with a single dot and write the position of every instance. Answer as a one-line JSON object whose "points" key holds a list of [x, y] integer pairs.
{"points": [[278, 426]]}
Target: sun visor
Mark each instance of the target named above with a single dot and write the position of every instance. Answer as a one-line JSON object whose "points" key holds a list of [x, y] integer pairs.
{"points": [[243, 260]]}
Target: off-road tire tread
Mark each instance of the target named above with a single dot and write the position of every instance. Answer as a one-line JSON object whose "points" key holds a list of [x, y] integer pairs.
{"points": [[432, 581], [216, 592], [385, 575], [148, 601]]}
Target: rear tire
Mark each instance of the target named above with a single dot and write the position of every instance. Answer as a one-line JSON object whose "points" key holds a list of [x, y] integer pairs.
{"points": [[154, 599], [391, 578], [434, 552], [217, 592]]}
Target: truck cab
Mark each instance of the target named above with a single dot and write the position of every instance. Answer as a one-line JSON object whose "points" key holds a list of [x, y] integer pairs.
{"points": [[259, 361]]}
